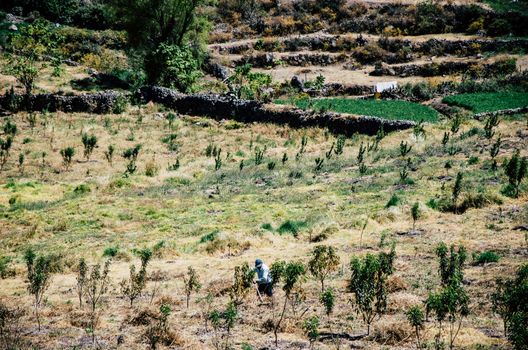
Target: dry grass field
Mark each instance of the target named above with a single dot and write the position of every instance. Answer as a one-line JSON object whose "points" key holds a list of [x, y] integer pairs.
{"points": [[44, 206], [214, 195]]}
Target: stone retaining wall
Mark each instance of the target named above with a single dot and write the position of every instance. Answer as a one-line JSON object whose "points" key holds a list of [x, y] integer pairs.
{"points": [[212, 106], [224, 107], [99, 103]]}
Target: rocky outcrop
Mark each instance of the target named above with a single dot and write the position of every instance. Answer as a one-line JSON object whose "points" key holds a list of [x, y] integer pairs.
{"points": [[99, 103], [225, 107]]}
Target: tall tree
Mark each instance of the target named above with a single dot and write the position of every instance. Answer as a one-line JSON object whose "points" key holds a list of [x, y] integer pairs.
{"points": [[152, 22]]}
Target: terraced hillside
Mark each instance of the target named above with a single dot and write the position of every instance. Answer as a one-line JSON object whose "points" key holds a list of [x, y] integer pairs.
{"points": [[150, 153]]}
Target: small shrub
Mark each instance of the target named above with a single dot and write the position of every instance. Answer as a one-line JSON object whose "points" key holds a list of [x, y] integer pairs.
{"points": [[192, 284], [485, 258], [324, 262], [151, 169], [516, 169], [509, 301], [5, 269], [96, 287], [291, 227], [38, 278], [133, 287], [67, 156], [111, 252], [81, 189], [311, 329], [89, 142], [393, 201], [368, 283], [416, 318]]}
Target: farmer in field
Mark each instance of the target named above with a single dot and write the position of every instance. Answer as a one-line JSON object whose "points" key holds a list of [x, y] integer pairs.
{"points": [[264, 285]]}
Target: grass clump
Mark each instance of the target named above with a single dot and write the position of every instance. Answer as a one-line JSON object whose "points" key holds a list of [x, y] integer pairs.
{"points": [[291, 227], [485, 258], [393, 201]]}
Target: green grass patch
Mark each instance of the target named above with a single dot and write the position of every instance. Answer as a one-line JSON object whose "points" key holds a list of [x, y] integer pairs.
{"points": [[488, 101], [502, 6], [485, 258], [387, 109], [291, 227]]}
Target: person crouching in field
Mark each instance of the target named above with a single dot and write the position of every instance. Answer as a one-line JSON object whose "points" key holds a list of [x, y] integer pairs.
{"points": [[264, 280]]}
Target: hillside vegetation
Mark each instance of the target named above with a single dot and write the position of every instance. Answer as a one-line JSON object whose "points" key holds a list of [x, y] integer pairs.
{"points": [[153, 152]]}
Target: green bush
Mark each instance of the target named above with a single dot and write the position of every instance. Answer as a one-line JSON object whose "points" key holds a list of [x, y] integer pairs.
{"points": [[209, 237], [485, 258], [393, 201], [82, 189], [111, 252], [173, 66], [291, 227], [509, 301]]}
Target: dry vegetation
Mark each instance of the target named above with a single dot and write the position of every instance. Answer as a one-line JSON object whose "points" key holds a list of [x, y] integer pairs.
{"points": [[81, 211], [189, 201]]}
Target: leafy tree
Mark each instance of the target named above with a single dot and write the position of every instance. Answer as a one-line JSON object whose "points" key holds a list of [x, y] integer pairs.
{"points": [[415, 213], [291, 274], [516, 170], [451, 267], [28, 46], [89, 142], [328, 300], [405, 148], [159, 330], [5, 148], [81, 279], [415, 316], [161, 30], [96, 286], [38, 278], [223, 320], [109, 154], [494, 151], [457, 189], [311, 329], [249, 85], [192, 284], [445, 140], [492, 122], [67, 156], [173, 66], [134, 286], [509, 301], [369, 284], [131, 154], [324, 262], [451, 303], [151, 23]]}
